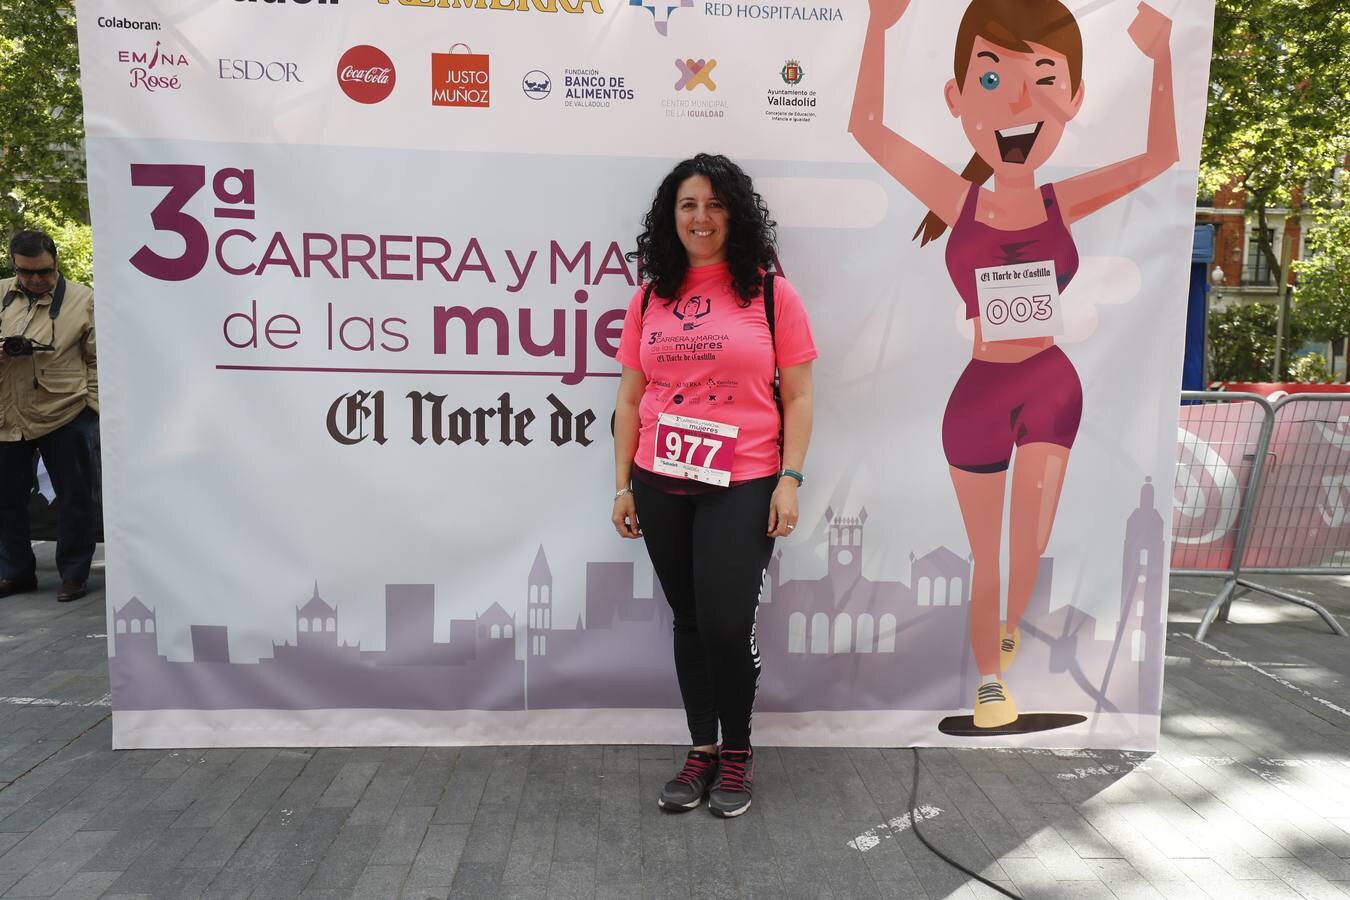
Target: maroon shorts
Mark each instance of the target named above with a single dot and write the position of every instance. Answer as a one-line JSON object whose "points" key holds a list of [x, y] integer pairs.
{"points": [[997, 406]]}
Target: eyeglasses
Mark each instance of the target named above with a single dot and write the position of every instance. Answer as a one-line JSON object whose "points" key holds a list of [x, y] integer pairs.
{"points": [[47, 272]]}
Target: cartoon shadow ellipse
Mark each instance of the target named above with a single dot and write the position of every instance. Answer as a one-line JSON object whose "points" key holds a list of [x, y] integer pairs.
{"points": [[1027, 723]]}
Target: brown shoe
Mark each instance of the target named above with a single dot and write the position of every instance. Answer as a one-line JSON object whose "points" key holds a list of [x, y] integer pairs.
{"points": [[71, 590], [17, 586]]}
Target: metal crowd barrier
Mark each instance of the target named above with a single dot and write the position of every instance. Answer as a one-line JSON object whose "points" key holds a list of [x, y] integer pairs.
{"points": [[1262, 488]]}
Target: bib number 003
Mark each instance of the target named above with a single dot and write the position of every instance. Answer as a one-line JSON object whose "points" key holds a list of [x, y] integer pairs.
{"points": [[1019, 301], [698, 449]]}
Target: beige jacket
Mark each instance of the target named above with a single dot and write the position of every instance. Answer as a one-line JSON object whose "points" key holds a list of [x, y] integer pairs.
{"points": [[42, 392]]}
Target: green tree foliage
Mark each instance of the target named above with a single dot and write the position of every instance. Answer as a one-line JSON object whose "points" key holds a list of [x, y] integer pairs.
{"points": [[1323, 297], [1242, 342], [1279, 110], [42, 178], [1278, 121], [1310, 368]]}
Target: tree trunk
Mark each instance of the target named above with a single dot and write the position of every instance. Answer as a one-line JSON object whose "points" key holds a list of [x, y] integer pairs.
{"points": [[1278, 267]]}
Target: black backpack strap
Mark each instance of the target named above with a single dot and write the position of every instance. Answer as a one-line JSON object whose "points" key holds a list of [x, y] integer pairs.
{"points": [[646, 297], [768, 301]]}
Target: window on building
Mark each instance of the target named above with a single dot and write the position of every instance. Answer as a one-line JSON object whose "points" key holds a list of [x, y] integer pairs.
{"points": [[843, 633], [820, 633], [866, 633], [797, 633], [886, 634], [1258, 271]]}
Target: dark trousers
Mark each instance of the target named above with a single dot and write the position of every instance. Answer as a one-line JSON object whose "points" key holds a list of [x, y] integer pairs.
{"points": [[710, 552], [68, 453]]}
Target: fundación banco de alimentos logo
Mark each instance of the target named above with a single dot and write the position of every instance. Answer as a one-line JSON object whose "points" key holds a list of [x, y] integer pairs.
{"points": [[536, 84]]}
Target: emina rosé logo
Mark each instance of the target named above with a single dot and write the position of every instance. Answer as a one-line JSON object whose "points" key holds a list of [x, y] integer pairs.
{"points": [[154, 69], [366, 74]]}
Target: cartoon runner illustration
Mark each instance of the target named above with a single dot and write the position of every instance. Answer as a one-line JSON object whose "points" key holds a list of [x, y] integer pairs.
{"points": [[1018, 82]]}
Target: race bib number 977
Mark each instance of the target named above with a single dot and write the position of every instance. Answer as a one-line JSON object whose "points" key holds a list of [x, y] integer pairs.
{"points": [[695, 448]]}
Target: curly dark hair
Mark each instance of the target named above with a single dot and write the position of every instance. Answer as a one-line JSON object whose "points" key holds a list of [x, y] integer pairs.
{"points": [[751, 244]]}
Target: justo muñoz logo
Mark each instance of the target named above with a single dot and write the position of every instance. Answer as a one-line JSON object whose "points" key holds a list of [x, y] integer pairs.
{"points": [[460, 78], [366, 74], [155, 69]]}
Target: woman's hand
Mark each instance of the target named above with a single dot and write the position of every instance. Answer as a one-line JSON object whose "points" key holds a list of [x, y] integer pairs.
{"points": [[625, 516], [783, 507], [1151, 31], [886, 13]]}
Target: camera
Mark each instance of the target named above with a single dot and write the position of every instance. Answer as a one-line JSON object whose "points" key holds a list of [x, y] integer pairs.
{"points": [[18, 345]]}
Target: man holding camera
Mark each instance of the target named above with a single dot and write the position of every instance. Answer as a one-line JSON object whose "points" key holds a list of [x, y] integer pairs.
{"points": [[48, 404]]}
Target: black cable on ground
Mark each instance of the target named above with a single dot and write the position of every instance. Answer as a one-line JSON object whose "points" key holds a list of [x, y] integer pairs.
{"points": [[914, 823]]}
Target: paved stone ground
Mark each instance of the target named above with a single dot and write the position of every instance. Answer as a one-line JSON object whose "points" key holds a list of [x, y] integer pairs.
{"points": [[1250, 797]]}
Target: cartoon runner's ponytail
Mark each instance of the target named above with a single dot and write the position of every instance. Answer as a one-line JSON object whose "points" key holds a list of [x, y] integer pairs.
{"points": [[977, 171]]}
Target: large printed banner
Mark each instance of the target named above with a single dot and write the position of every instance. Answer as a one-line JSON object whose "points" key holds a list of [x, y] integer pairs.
{"points": [[361, 277]]}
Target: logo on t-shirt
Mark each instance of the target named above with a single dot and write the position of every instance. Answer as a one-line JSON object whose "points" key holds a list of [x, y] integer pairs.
{"points": [[691, 310]]}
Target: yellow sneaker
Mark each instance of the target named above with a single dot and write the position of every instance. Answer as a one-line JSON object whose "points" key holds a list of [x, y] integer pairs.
{"points": [[1007, 647], [994, 706]]}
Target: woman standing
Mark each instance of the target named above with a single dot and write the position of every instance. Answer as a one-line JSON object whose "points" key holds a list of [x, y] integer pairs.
{"points": [[704, 455], [1017, 83]]}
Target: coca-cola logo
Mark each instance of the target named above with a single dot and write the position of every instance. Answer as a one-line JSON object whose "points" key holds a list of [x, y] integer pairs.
{"points": [[366, 74]]}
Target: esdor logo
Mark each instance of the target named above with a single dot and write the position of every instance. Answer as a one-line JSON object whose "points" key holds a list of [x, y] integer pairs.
{"points": [[366, 74]]}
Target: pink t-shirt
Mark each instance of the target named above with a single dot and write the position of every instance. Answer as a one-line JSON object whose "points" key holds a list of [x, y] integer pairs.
{"points": [[707, 356]]}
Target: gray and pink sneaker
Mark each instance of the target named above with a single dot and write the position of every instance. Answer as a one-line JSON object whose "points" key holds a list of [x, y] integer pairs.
{"points": [[731, 793], [686, 790]]}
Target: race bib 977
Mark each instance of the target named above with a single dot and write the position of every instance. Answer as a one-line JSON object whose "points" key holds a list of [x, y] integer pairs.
{"points": [[695, 448]]}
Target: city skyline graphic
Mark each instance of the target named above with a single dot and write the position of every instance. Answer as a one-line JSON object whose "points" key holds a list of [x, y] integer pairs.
{"points": [[840, 641]]}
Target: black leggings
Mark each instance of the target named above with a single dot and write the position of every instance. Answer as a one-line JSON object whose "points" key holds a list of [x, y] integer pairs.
{"points": [[710, 552]]}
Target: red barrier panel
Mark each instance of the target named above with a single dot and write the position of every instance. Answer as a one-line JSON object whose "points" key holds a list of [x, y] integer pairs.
{"points": [[1302, 518], [1267, 388], [1215, 455]]}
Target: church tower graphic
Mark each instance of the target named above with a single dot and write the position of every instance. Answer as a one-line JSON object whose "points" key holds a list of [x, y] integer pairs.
{"points": [[316, 624], [540, 609], [846, 543]]}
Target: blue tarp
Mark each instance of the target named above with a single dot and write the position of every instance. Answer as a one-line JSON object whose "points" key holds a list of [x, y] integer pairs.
{"points": [[1197, 309]]}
